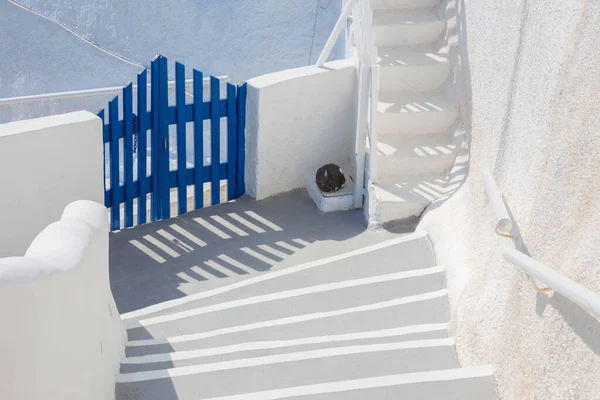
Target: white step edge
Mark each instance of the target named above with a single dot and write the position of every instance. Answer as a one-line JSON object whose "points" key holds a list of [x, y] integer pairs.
{"points": [[286, 294], [404, 199], [366, 383], [276, 344], [280, 358], [394, 28], [403, 4], [412, 69], [272, 275], [290, 320], [401, 157], [415, 114]]}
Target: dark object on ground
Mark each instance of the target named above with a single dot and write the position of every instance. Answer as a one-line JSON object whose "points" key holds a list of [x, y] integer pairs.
{"points": [[330, 178]]}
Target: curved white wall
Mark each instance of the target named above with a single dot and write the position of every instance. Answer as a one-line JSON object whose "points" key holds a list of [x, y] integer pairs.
{"points": [[529, 79], [62, 336]]}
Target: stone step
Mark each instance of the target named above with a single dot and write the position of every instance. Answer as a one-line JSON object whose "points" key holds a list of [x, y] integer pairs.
{"points": [[402, 4], [294, 335], [411, 68], [326, 298], [249, 350], [403, 199], [400, 27], [415, 114], [399, 157], [361, 263], [409, 313], [473, 383], [281, 371]]}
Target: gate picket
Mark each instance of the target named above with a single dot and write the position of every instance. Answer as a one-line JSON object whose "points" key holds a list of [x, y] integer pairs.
{"points": [[181, 130], [128, 152], [198, 139], [215, 140], [142, 128], [113, 115], [158, 180], [154, 150]]}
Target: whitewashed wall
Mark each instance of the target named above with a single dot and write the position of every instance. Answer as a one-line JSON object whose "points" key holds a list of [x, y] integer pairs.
{"points": [[45, 164], [528, 76], [297, 121], [62, 337], [239, 38]]}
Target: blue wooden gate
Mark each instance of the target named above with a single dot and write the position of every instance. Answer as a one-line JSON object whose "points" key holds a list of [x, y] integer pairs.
{"points": [[142, 141]]}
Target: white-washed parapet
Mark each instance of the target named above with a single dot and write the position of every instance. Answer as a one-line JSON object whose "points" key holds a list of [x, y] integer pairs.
{"points": [[62, 336]]}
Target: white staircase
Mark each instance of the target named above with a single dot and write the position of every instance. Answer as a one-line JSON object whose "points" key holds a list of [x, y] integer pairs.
{"points": [[369, 324], [416, 121]]}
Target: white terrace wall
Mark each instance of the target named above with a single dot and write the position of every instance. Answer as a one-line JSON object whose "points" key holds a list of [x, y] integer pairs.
{"points": [[62, 337], [45, 164], [529, 84], [298, 120]]}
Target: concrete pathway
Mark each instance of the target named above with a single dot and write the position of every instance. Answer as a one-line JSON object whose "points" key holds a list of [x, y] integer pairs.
{"points": [[326, 310]]}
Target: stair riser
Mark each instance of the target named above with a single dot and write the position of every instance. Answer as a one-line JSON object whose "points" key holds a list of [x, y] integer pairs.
{"points": [[396, 211], [416, 123], [408, 34], [237, 355], [413, 79], [339, 269], [402, 4], [393, 168], [265, 376], [256, 312]]}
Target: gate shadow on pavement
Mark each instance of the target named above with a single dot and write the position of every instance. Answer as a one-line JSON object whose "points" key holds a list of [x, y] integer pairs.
{"points": [[220, 245]]}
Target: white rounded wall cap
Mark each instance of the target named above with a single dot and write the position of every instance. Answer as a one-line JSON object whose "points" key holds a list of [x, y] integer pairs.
{"points": [[88, 211], [61, 244], [21, 270], [59, 247]]}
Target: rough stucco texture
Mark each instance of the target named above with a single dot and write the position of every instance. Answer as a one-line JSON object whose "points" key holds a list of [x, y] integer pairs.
{"points": [[40, 57], [528, 75], [239, 38], [297, 121]]}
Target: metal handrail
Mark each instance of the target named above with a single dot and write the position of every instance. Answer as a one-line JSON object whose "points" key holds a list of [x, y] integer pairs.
{"points": [[574, 291], [335, 34]]}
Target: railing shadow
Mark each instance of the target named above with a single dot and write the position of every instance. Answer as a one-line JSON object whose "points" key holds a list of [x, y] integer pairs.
{"points": [[461, 89], [162, 389], [586, 326], [219, 245]]}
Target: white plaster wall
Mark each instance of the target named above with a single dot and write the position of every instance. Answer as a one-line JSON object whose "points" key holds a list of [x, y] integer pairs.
{"points": [[528, 78], [45, 164], [296, 121], [239, 38], [62, 337], [41, 57]]}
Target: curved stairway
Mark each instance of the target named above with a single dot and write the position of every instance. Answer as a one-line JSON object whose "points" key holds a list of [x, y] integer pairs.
{"points": [[418, 123], [368, 324]]}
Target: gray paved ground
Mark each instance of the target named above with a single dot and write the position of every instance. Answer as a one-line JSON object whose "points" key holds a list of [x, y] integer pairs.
{"points": [[306, 234], [370, 325]]}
